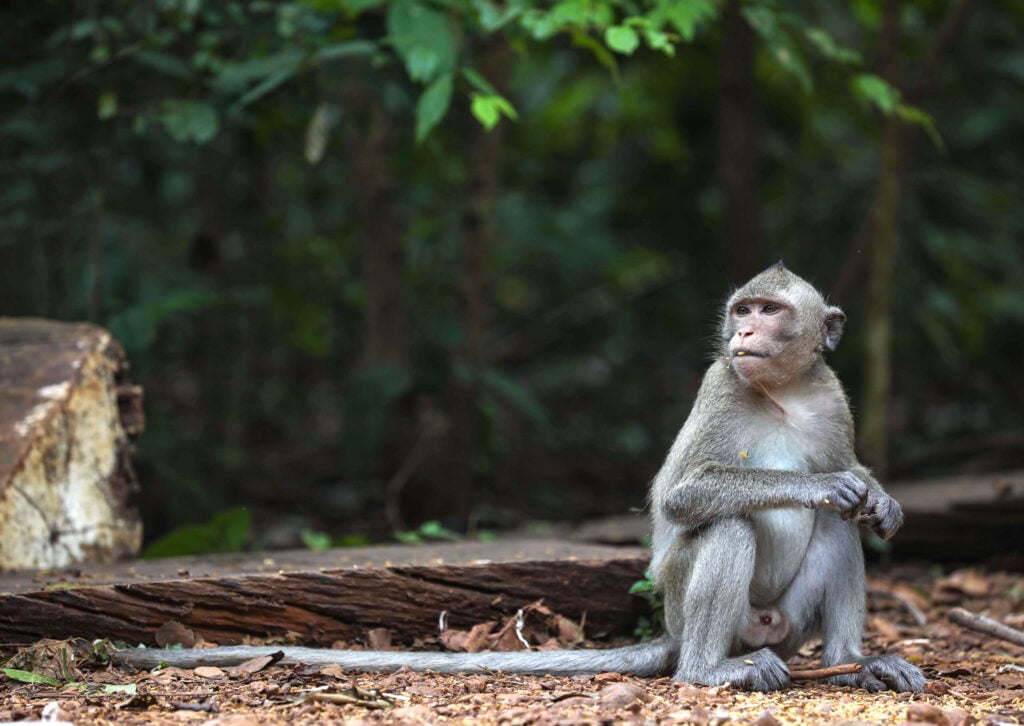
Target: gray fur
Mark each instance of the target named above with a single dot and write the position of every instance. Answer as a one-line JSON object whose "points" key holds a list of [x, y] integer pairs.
{"points": [[756, 508], [647, 659]]}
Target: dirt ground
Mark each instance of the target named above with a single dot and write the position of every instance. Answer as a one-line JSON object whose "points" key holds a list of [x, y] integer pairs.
{"points": [[973, 678]]}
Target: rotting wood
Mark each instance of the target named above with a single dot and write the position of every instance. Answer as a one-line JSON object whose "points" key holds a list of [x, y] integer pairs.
{"points": [[319, 598], [66, 418]]}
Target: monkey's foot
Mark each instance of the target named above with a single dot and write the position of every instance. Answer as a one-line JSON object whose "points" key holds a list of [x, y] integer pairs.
{"points": [[761, 670], [881, 672]]}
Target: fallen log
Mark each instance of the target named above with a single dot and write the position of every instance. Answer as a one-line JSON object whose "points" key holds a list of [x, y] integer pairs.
{"points": [[318, 598]]}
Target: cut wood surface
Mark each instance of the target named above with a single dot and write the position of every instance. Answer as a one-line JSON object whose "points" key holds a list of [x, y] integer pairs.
{"points": [[961, 518], [66, 415], [321, 597]]}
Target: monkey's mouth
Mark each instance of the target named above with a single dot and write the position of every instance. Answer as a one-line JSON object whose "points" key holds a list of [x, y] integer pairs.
{"points": [[749, 354]]}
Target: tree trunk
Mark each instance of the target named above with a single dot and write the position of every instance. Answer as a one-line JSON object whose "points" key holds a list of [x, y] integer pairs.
{"points": [[67, 417], [371, 148], [884, 225], [738, 145], [483, 160]]}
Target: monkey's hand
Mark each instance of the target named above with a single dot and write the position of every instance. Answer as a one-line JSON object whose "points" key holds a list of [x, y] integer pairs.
{"points": [[843, 491], [882, 514]]}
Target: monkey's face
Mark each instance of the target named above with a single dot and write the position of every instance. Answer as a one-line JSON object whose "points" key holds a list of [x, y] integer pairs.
{"points": [[776, 326], [766, 344]]}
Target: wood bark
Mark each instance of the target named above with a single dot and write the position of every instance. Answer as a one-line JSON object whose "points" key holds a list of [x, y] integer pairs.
{"points": [[883, 220], [319, 598], [66, 418], [483, 159], [370, 145], [738, 141]]}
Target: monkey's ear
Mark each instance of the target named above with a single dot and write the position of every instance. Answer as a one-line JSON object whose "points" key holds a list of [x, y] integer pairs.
{"points": [[833, 328]]}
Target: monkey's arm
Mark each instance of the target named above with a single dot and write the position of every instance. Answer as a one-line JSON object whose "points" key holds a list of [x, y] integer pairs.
{"points": [[710, 491]]}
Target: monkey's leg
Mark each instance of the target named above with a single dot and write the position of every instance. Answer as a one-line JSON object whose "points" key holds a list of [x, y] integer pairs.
{"points": [[828, 595], [705, 611]]}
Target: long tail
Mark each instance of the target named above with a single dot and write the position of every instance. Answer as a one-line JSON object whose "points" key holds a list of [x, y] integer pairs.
{"points": [[645, 659]]}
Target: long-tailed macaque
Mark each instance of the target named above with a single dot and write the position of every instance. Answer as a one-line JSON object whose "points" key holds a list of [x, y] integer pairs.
{"points": [[755, 523]]}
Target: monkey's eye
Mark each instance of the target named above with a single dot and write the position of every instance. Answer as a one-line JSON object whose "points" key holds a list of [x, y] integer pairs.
{"points": [[770, 308], [742, 310]]}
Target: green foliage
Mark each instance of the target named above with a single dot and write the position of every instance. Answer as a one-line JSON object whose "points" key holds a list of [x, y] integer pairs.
{"points": [[29, 677], [227, 531], [186, 175], [430, 530], [423, 37], [320, 541], [653, 625]]}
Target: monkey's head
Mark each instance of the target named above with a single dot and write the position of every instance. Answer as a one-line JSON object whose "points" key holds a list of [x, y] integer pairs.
{"points": [[776, 326]]}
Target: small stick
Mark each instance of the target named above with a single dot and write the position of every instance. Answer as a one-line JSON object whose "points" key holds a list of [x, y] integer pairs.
{"points": [[915, 612], [813, 674], [986, 625]]}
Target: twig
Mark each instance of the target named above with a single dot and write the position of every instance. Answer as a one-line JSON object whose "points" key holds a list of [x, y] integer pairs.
{"points": [[915, 612], [813, 674], [986, 625]]}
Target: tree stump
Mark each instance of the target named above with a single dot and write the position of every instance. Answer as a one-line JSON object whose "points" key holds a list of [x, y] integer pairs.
{"points": [[66, 418]]}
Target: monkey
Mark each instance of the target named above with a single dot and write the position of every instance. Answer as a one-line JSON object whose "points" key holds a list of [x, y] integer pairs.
{"points": [[755, 517]]}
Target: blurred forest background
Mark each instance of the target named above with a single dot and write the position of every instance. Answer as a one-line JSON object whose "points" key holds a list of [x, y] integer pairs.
{"points": [[378, 262]]}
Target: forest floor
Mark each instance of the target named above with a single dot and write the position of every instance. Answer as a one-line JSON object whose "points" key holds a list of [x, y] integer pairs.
{"points": [[972, 678]]}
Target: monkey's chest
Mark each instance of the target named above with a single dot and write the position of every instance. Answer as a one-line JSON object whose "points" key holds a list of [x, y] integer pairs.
{"points": [[797, 441]]}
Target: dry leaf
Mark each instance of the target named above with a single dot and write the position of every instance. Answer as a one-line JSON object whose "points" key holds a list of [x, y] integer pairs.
{"points": [[209, 672], [174, 633]]}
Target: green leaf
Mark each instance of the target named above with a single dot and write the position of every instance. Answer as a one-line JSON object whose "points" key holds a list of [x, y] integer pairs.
{"points": [[266, 86], [828, 47], [29, 677], [781, 47], [224, 532], [622, 39], [489, 109], [316, 541], [190, 121], [123, 688], [876, 91], [657, 40], [685, 15], [423, 38], [918, 117], [492, 17], [164, 63], [479, 82], [436, 530], [582, 40], [343, 50], [433, 105], [234, 77], [106, 106]]}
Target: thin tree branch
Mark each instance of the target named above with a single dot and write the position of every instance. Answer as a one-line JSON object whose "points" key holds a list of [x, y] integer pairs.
{"points": [[813, 674], [986, 625]]}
